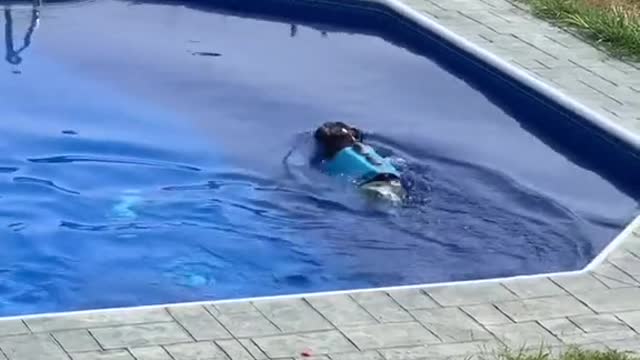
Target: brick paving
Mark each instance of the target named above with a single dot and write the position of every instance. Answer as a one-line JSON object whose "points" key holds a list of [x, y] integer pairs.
{"points": [[594, 309]]}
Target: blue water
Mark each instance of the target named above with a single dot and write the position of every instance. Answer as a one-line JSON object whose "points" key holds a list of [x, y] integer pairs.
{"points": [[158, 153]]}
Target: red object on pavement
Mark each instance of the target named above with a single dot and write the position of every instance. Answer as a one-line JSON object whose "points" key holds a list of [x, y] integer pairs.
{"points": [[306, 353]]}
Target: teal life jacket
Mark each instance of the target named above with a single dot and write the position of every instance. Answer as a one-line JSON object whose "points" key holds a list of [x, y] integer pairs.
{"points": [[360, 163]]}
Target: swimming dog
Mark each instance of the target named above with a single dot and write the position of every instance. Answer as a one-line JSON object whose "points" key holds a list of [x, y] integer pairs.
{"points": [[343, 153]]}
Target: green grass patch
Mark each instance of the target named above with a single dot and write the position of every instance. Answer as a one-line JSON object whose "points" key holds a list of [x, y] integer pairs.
{"points": [[573, 353], [613, 24]]}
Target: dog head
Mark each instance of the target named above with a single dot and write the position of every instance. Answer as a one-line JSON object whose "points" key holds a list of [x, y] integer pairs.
{"points": [[335, 136]]}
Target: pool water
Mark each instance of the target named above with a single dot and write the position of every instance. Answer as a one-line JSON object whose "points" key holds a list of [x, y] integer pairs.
{"points": [[156, 153]]}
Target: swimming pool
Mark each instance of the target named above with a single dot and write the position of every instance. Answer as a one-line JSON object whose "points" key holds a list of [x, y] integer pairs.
{"points": [[157, 152]]}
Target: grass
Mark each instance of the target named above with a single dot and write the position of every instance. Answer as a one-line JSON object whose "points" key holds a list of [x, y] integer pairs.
{"points": [[613, 24], [570, 354]]}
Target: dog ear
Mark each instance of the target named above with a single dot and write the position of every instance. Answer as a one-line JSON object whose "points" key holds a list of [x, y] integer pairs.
{"points": [[321, 133]]}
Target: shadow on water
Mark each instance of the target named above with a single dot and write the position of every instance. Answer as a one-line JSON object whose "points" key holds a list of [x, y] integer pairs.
{"points": [[435, 185], [573, 137], [565, 132]]}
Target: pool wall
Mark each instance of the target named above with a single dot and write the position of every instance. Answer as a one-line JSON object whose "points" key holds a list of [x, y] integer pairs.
{"points": [[515, 74]]}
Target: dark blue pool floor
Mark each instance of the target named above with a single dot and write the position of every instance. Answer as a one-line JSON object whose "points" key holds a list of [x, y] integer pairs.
{"points": [[138, 168]]}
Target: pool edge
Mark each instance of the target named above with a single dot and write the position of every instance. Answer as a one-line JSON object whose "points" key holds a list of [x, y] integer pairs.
{"points": [[543, 88], [626, 235]]}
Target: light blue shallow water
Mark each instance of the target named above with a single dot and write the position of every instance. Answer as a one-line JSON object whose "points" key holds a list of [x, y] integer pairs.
{"points": [[135, 169]]}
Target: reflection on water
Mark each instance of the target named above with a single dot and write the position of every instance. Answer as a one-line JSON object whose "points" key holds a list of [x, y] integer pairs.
{"points": [[163, 155], [12, 54]]}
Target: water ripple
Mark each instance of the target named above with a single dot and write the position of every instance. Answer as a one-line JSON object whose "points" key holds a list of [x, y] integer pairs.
{"points": [[46, 183], [8, 169], [76, 158], [105, 227]]}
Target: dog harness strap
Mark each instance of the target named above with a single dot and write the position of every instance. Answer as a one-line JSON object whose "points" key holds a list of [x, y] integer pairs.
{"points": [[360, 163]]}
